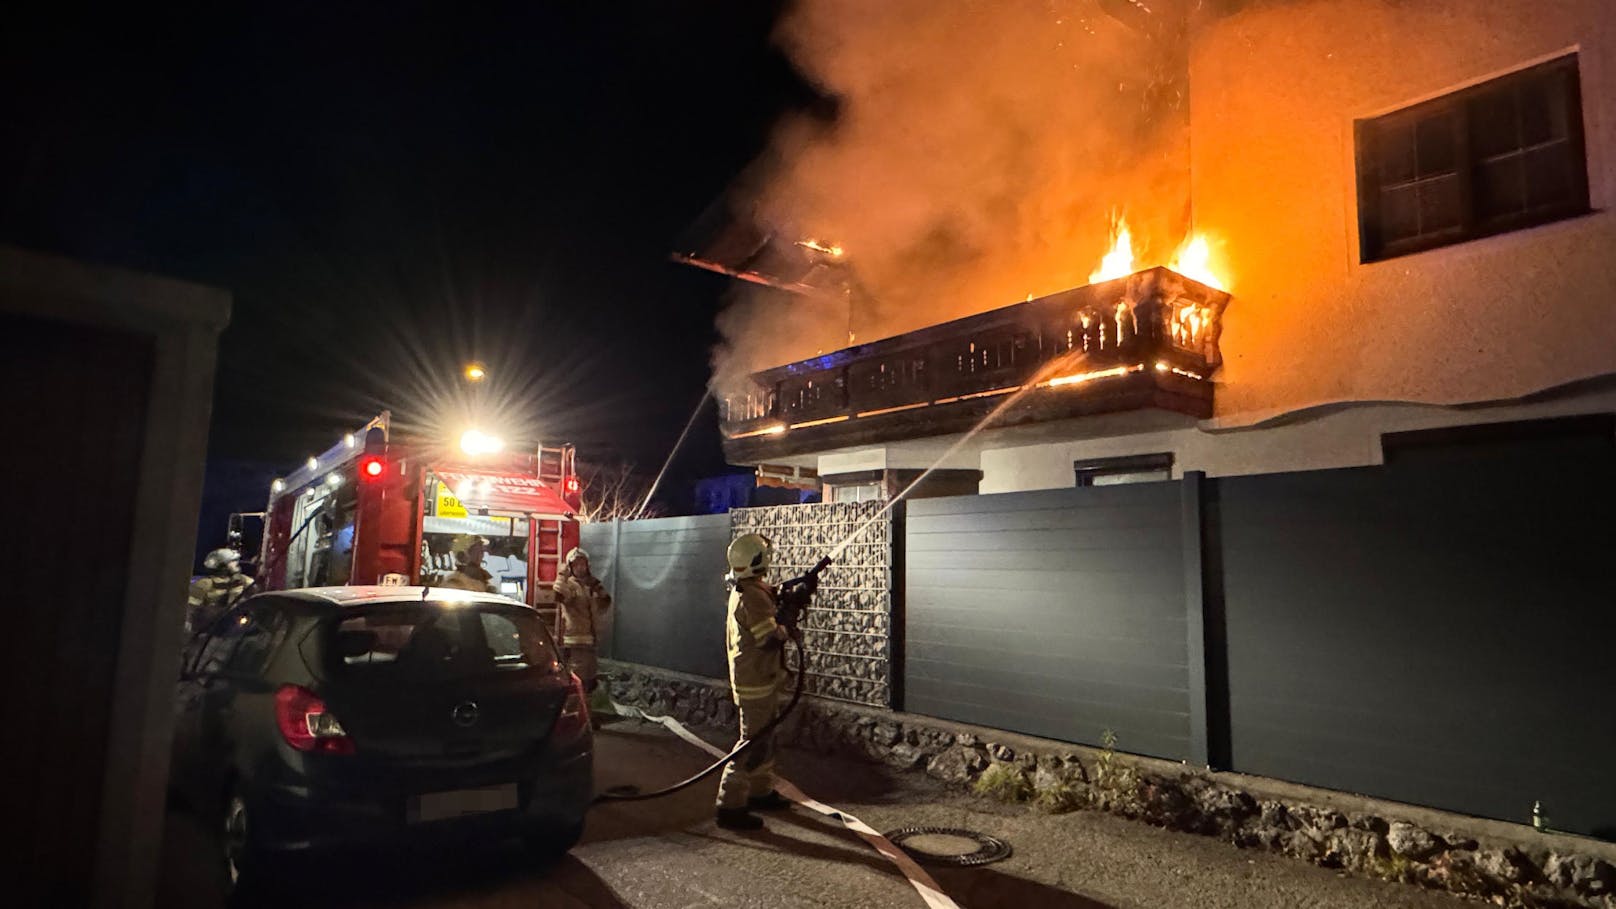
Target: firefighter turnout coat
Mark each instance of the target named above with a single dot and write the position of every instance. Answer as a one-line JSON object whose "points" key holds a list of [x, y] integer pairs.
{"points": [[581, 604], [211, 595], [756, 660], [470, 577]]}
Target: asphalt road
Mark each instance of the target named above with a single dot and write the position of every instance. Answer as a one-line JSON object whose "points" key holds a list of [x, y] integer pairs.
{"points": [[668, 853]]}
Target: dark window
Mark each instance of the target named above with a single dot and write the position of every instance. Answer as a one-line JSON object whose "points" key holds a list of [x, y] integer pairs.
{"points": [[1149, 468], [431, 641], [1495, 157], [261, 632]]}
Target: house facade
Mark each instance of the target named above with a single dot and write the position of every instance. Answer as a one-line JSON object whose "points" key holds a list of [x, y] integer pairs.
{"points": [[1409, 205]]}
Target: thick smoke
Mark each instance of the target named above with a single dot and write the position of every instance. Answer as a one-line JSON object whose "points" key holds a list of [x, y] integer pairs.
{"points": [[979, 152]]}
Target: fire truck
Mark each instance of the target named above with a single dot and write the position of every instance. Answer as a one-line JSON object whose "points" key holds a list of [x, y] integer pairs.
{"points": [[378, 509]]}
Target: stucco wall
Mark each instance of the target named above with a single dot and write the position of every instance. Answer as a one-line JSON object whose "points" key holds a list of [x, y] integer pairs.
{"points": [[1275, 89], [1329, 438]]}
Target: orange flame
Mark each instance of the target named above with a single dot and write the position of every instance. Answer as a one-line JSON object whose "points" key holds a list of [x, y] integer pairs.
{"points": [[834, 250], [1118, 263], [1194, 261]]}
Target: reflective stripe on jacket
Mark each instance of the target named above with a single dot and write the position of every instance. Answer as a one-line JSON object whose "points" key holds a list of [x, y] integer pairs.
{"points": [[756, 661], [218, 590]]}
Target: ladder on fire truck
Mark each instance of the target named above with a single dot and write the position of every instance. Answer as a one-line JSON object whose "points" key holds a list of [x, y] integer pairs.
{"points": [[556, 466]]}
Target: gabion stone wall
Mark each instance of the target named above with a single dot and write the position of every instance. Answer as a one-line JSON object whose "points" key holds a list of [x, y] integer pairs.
{"points": [[847, 631]]}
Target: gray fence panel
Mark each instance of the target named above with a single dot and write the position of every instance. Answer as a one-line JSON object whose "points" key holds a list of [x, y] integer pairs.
{"points": [[1057, 613], [667, 581], [1436, 634]]}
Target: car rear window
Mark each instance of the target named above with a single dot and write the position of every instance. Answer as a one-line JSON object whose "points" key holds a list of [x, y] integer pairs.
{"points": [[437, 641]]}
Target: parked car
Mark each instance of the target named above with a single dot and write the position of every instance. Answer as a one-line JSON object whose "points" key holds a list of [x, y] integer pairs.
{"points": [[311, 720]]}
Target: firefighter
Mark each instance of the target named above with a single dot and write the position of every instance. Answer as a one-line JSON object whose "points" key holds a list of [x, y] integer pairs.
{"points": [[757, 676], [216, 591], [581, 603], [469, 573]]}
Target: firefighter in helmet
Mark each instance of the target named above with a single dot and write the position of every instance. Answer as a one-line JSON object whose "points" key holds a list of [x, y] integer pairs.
{"points": [[469, 573], [581, 603], [757, 675], [212, 594]]}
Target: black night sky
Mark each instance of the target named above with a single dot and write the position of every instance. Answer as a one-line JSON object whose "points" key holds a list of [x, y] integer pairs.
{"points": [[389, 189]]}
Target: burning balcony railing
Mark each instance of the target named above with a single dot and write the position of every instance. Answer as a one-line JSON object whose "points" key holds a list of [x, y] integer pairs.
{"points": [[1147, 340]]}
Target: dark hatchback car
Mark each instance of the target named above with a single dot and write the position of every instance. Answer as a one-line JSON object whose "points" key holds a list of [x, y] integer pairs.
{"points": [[313, 720]]}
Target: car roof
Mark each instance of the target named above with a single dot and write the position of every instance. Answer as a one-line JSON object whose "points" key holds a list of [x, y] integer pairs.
{"points": [[372, 594]]}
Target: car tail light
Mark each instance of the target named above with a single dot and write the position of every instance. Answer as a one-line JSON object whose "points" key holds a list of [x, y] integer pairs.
{"points": [[307, 724], [574, 718]]}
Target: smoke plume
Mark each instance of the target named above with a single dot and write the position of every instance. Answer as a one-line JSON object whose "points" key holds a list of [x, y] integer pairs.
{"points": [[979, 151]]}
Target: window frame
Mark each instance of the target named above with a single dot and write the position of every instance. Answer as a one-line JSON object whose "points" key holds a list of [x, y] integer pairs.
{"points": [[1087, 470], [1459, 105]]}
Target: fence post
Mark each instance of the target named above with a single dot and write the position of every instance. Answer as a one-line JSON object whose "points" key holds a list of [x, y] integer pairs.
{"points": [[1194, 613], [617, 559]]}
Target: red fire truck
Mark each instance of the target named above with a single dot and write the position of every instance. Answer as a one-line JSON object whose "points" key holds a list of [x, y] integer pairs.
{"points": [[377, 509]]}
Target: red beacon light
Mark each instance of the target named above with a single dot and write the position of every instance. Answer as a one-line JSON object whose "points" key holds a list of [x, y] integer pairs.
{"points": [[371, 467], [572, 484]]}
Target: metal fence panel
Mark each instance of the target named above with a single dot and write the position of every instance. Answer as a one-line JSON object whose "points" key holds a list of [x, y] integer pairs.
{"points": [[1438, 634], [1057, 613], [666, 576]]}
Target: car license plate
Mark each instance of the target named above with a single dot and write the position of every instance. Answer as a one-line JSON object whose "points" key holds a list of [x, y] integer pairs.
{"points": [[441, 806]]}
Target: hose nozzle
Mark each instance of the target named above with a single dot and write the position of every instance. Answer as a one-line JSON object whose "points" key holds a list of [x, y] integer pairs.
{"points": [[797, 593]]}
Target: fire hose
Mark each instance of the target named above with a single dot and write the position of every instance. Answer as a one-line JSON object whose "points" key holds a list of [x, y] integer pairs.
{"points": [[795, 596]]}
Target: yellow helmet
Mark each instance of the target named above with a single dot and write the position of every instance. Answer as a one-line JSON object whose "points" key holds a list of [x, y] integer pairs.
{"points": [[750, 555]]}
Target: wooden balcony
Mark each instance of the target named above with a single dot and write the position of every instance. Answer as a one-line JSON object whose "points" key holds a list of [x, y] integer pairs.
{"points": [[1149, 340]]}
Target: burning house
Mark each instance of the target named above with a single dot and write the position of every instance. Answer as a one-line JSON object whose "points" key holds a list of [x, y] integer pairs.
{"points": [[1401, 221]]}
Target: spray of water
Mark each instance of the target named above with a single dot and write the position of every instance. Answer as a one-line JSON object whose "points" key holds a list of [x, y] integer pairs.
{"points": [[671, 452], [1050, 370]]}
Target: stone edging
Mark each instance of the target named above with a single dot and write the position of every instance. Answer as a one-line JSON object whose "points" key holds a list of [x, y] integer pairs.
{"points": [[1505, 864]]}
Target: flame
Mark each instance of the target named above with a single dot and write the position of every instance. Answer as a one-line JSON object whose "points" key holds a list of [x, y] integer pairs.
{"points": [[1118, 263], [830, 249], [1194, 261]]}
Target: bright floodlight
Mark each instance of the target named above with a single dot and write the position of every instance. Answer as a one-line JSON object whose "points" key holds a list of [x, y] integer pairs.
{"points": [[475, 372], [476, 442]]}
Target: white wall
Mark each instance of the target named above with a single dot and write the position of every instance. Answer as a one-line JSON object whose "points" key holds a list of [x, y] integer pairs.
{"points": [[1275, 90], [1330, 438]]}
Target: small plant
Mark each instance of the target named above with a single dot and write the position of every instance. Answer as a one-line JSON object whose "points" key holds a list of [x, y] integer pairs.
{"points": [[1061, 798], [1116, 782], [1004, 782], [1392, 867]]}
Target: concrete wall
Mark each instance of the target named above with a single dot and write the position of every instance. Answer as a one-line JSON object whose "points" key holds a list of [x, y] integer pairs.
{"points": [[1324, 438], [1275, 89]]}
